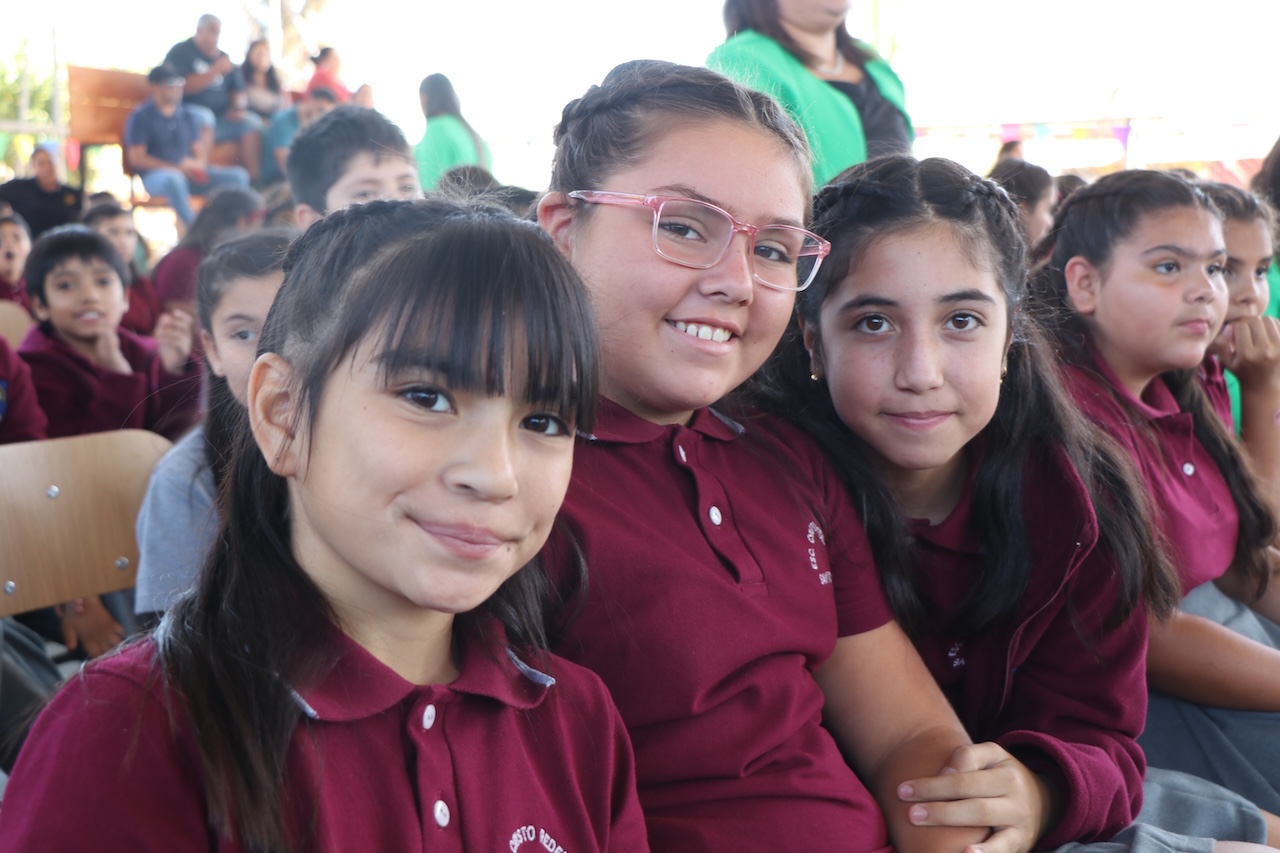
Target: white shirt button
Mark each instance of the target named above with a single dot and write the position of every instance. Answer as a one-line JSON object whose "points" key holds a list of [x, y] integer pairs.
{"points": [[715, 516], [442, 813], [1188, 469], [429, 717], [683, 456]]}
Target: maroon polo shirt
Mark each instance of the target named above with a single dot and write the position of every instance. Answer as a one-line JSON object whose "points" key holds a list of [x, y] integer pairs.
{"points": [[21, 418], [1192, 500], [1053, 687], [723, 564], [499, 760], [15, 292], [144, 307], [79, 397]]}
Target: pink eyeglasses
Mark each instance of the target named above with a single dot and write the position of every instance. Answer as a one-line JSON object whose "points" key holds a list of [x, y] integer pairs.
{"points": [[697, 234]]}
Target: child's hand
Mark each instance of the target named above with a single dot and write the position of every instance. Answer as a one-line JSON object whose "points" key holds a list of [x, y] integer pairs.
{"points": [[174, 331], [1252, 351], [107, 354], [983, 785], [86, 622]]}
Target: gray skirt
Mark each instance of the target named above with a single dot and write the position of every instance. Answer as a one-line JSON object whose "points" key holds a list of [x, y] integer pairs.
{"points": [[1239, 750]]}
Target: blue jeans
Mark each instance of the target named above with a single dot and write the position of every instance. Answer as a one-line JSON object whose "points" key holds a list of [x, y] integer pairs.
{"points": [[178, 189], [225, 130]]}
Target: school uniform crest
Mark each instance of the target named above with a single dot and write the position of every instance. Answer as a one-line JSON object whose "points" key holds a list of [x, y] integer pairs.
{"points": [[4, 397]]}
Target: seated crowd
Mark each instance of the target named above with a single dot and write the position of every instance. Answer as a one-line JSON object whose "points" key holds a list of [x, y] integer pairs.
{"points": [[936, 513]]}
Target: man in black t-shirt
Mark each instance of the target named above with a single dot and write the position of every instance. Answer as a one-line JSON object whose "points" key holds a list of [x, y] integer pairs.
{"points": [[215, 93], [41, 199]]}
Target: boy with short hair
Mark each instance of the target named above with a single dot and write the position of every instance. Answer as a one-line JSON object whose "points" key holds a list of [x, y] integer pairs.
{"points": [[116, 224], [350, 156], [89, 374], [15, 245]]}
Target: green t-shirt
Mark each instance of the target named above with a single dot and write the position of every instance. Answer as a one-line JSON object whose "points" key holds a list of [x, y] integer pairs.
{"points": [[828, 117], [448, 143]]}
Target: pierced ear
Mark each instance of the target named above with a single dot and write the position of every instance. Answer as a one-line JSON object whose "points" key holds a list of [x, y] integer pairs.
{"points": [[814, 346], [1083, 281], [306, 216], [210, 347], [272, 412], [555, 215]]}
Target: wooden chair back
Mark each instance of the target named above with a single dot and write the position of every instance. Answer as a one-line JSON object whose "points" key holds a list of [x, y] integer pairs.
{"points": [[100, 102], [14, 322], [67, 514]]}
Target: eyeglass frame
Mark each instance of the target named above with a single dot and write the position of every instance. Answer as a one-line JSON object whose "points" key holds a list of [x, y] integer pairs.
{"points": [[656, 203]]}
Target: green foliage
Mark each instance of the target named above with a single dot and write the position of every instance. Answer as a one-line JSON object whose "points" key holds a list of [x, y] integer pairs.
{"points": [[14, 150]]}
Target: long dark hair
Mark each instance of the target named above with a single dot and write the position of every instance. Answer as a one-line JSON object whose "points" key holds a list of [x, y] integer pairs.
{"points": [[613, 124], [252, 256], [1089, 225], [269, 77], [218, 218], [1035, 416], [762, 16], [474, 288]]}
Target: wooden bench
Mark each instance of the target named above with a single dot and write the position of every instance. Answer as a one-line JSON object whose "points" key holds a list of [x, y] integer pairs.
{"points": [[101, 100]]}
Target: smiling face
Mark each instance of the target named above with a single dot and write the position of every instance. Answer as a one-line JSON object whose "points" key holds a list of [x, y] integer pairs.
{"points": [[1160, 300], [232, 346], [912, 346], [676, 339], [409, 498], [83, 299], [15, 245], [1249, 253]]}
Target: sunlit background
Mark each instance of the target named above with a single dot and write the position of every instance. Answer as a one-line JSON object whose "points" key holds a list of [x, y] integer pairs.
{"points": [[1091, 84]]}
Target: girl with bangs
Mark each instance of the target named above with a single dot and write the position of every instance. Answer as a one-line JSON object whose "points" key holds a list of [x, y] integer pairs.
{"points": [[362, 664]]}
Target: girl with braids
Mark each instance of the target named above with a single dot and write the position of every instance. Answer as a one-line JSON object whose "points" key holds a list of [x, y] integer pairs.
{"points": [[1133, 296], [177, 521], [732, 604], [355, 669], [914, 365]]}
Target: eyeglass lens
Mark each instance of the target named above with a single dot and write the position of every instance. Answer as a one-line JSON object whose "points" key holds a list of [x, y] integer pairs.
{"points": [[696, 234]]}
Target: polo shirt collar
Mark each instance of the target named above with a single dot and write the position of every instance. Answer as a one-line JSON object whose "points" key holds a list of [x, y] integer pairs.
{"points": [[1157, 400], [359, 685], [615, 423]]}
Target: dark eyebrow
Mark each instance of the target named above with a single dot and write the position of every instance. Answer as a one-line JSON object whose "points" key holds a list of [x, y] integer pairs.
{"points": [[1183, 252], [240, 318], [874, 301], [867, 301], [970, 295]]}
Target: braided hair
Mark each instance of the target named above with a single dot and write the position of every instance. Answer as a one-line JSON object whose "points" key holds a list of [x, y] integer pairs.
{"points": [[1089, 225], [613, 124], [1035, 416]]}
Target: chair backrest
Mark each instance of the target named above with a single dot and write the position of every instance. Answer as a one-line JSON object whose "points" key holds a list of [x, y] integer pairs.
{"points": [[100, 102], [67, 513], [14, 322]]}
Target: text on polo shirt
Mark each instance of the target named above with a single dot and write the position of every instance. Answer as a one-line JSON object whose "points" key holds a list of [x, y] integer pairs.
{"points": [[534, 834], [815, 536]]}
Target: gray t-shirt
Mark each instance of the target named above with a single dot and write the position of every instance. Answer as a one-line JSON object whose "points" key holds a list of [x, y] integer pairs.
{"points": [[176, 525]]}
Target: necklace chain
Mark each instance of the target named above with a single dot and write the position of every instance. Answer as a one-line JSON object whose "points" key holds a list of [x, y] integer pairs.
{"points": [[834, 68]]}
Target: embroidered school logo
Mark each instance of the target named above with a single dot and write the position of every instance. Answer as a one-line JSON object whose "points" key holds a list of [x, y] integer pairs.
{"points": [[4, 397], [530, 838], [815, 537]]}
